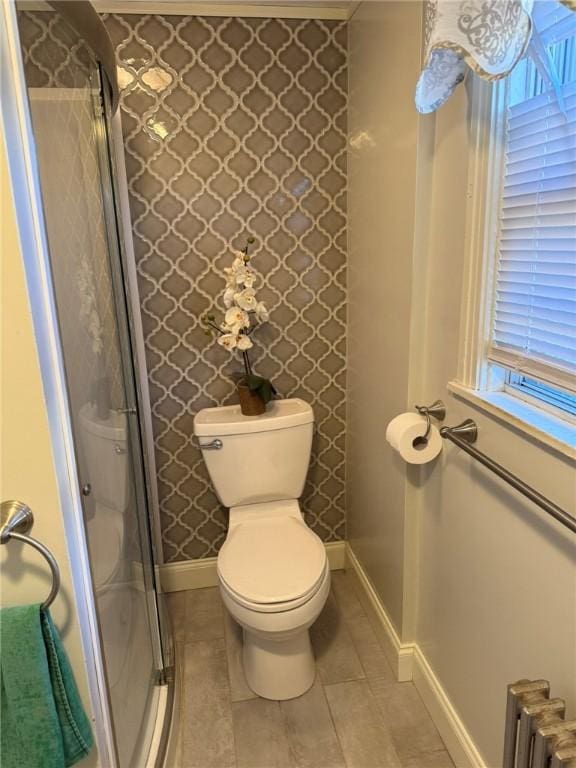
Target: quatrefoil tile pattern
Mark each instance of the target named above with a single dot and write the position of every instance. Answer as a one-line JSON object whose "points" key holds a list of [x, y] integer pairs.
{"points": [[237, 127]]}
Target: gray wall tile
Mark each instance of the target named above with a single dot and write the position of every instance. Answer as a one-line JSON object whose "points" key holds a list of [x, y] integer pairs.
{"points": [[235, 127]]}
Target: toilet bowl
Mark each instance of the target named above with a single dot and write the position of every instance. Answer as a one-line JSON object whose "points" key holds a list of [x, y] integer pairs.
{"points": [[272, 569]]}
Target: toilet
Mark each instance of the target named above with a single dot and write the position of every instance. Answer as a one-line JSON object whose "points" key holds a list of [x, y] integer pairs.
{"points": [[104, 446], [272, 569]]}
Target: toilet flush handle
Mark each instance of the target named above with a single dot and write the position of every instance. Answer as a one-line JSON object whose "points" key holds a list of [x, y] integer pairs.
{"points": [[215, 445]]}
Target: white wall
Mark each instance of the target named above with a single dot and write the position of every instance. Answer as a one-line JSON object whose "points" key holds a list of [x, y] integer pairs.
{"points": [[384, 51], [26, 463], [497, 577], [488, 577]]}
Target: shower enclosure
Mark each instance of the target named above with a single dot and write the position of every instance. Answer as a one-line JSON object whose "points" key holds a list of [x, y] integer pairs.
{"points": [[70, 103]]}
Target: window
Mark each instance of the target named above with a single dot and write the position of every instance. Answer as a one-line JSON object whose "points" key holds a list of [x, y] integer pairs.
{"points": [[532, 328]]}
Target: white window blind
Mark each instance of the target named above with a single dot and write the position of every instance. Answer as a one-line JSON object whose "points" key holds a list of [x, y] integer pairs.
{"points": [[534, 317]]}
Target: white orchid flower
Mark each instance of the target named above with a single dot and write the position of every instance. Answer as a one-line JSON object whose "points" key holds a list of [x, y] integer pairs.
{"points": [[228, 341], [241, 275], [229, 295], [246, 300], [262, 312], [237, 316], [244, 342]]}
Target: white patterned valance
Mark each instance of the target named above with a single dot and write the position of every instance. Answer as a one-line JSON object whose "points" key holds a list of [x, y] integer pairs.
{"points": [[489, 36]]}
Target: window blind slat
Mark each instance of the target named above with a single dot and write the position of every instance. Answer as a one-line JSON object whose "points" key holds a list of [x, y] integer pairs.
{"points": [[559, 207], [534, 198], [536, 232], [549, 98], [545, 119], [537, 268], [542, 136], [540, 315], [543, 261], [526, 244], [548, 114], [557, 172], [560, 30], [542, 159], [554, 22], [567, 182], [517, 276], [539, 304], [548, 294], [543, 330], [534, 318], [524, 150]]}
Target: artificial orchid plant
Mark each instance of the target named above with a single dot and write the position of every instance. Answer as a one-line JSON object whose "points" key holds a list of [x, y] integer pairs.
{"points": [[244, 313]]}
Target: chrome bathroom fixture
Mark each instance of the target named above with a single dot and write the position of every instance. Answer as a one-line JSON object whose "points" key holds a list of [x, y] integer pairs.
{"points": [[16, 521], [465, 434], [437, 409], [213, 445]]}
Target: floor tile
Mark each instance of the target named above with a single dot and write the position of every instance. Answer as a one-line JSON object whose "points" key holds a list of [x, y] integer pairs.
{"points": [[336, 657], [204, 615], [176, 602], [363, 736], [368, 648], [381, 634], [207, 732], [310, 730], [239, 689], [439, 759], [407, 718], [346, 596], [260, 736]]}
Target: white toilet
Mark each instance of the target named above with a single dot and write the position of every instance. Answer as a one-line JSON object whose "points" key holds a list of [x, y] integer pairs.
{"points": [[273, 572]]}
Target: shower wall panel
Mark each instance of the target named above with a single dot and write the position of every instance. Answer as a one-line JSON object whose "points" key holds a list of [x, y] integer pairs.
{"points": [[237, 128]]}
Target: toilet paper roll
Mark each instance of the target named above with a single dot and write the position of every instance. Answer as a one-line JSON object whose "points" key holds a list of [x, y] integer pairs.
{"points": [[404, 433]]}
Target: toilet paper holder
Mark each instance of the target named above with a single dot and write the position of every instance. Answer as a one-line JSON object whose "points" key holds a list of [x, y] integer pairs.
{"points": [[437, 409]]}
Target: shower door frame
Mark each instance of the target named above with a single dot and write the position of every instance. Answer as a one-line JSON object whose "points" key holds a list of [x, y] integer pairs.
{"points": [[17, 128]]}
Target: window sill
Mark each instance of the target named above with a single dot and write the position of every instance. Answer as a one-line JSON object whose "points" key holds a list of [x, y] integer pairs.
{"points": [[535, 422]]}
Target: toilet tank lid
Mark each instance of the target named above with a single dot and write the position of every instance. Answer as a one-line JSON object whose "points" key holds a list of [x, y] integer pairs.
{"points": [[228, 419]]}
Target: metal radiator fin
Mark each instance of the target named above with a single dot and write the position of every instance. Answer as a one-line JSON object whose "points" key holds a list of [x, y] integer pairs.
{"points": [[537, 735]]}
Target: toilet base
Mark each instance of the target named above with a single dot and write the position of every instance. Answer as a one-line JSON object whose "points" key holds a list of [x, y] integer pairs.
{"points": [[279, 668]]}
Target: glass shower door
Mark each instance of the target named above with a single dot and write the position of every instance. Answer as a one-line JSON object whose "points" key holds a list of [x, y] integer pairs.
{"points": [[66, 105]]}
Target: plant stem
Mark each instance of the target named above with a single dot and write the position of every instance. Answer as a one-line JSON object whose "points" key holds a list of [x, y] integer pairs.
{"points": [[212, 325], [247, 366]]}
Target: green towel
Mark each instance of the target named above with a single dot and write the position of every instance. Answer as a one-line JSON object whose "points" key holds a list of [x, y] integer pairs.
{"points": [[43, 724]]}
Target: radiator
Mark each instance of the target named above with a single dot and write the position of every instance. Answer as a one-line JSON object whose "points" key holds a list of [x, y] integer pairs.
{"points": [[537, 733]]}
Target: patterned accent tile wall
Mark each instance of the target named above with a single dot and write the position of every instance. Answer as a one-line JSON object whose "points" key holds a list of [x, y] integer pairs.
{"points": [[237, 127]]}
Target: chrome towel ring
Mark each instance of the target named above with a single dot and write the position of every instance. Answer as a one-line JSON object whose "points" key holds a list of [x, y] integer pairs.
{"points": [[16, 520]]}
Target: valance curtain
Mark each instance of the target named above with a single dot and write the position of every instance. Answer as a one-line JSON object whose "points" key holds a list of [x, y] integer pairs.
{"points": [[489, 36]]}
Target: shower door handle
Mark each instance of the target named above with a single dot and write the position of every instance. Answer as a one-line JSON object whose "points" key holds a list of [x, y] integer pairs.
{"points": [[125, 410], [215, 445]]}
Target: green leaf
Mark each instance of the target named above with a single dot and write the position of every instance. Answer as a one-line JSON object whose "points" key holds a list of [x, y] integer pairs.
{"points": [[262, 386]]}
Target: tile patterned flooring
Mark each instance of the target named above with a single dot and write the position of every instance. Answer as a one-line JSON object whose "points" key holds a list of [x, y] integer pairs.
{"points": [[355, 715]]}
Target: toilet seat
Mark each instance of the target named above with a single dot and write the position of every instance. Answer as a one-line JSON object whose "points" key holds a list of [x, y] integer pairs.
{"points": [[272, 565]]}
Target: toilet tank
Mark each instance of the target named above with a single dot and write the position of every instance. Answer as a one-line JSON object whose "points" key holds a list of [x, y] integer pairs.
{"points": [[261, 458]]}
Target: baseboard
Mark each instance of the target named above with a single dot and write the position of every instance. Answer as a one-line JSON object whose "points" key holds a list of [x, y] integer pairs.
{"points": [[197, 574], [458, 741], [400, 655], [409, 663]]}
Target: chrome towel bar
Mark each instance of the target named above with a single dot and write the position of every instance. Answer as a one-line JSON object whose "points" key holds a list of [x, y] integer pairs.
{"points": [[466, 433], [16, 520]]}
